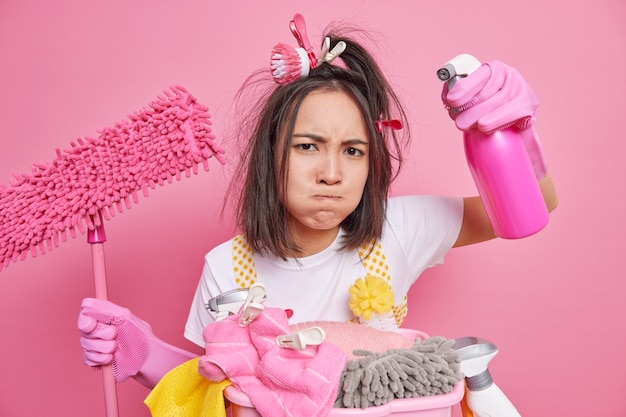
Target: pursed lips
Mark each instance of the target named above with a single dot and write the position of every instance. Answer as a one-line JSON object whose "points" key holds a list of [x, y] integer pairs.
{"points": [[326, 197]]}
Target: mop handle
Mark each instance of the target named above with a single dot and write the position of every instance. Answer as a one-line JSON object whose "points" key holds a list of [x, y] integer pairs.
{"points": [[97, 238]]}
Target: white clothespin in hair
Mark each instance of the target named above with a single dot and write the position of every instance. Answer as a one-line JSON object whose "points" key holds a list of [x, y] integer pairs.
{"points": [[329, 56], [300, 340], [253, 306]]}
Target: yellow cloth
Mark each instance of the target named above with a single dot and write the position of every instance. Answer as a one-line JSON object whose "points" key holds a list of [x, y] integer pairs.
{"points": [[183, 392]]}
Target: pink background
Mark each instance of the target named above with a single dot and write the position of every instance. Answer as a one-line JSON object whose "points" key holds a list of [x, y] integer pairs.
{"points": [[553, 303]]}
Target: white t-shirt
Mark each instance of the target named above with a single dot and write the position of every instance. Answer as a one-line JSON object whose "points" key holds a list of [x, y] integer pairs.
{"points": [[418, 232]]}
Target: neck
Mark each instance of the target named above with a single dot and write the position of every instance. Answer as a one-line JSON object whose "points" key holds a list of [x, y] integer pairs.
{"points": [[312, 241]]}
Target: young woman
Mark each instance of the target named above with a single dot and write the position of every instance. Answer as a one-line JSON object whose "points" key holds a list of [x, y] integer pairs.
{"points": [[314, 210]]}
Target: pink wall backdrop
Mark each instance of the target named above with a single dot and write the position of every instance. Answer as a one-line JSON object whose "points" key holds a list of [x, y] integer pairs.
{"points": [[553, 303]]}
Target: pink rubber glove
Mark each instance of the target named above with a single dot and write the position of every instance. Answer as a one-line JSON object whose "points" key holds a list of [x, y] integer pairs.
{"points": [[495, 97], [111, 334]]}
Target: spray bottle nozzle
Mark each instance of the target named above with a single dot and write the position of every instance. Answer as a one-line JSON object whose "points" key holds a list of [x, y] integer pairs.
{"points": [[475, 354], [471, 347], [458, 67], [446, 72]]}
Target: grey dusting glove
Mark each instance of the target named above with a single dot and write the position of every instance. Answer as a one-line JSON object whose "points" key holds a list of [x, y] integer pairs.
{"points": [[430, 367]]}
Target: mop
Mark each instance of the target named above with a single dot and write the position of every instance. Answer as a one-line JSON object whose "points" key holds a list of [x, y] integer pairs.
{"points": [[98, 177]]}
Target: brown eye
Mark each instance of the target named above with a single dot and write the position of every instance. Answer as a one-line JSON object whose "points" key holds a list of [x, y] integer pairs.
{"points": [[305, 146], [354, 152]]}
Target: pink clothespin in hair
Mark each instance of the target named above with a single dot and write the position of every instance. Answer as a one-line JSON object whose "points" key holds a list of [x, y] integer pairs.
{"points": [[394, 124], [253, 306], [298, 29], [311, 336]]}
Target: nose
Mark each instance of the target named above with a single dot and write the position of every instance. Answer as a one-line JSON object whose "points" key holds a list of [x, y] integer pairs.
{"points": [[330, 171]]}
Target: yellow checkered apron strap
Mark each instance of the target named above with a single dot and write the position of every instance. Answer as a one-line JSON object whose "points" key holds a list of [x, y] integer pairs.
{"points": [[243, 262], [375, 263]]}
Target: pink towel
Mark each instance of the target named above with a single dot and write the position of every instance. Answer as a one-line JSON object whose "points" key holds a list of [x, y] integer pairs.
{"points": [[278, 381], [229, 351]]}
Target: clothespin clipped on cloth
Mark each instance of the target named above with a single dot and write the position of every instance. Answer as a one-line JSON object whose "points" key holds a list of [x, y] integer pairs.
{"points": [[300, 340], [253, 306]]}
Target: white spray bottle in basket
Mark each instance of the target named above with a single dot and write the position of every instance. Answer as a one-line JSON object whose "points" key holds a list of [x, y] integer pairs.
{"points": [[501, 169], [484, 397]]}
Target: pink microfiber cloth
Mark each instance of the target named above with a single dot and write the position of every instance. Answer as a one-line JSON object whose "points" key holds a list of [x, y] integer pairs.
{"points": [[280, 382]]}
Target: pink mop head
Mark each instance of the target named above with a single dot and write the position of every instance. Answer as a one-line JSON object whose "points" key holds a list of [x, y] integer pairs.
{"points": [[99, 176]]}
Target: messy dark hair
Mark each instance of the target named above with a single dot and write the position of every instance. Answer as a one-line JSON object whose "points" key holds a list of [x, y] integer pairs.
{"points": [[259, 198]]}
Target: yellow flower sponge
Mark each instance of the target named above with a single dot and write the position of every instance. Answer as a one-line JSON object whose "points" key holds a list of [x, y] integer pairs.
{"points": [[370, 295]]}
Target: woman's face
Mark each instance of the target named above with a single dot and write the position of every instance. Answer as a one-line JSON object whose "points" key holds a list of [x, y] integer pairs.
{"points": [[328, 164]]}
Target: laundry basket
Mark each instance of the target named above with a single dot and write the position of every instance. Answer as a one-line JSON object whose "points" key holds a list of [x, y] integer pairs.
{"points": [[430, 406]]}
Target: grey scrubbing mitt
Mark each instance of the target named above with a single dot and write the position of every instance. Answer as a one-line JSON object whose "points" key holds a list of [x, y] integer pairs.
{"points": [[430, 367]]}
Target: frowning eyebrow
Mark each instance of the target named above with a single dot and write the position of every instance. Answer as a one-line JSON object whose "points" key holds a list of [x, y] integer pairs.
{"points": [[321, 139]]}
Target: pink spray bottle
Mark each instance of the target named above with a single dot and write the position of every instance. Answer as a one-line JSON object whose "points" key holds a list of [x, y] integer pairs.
{"points": [[501, 169]]}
